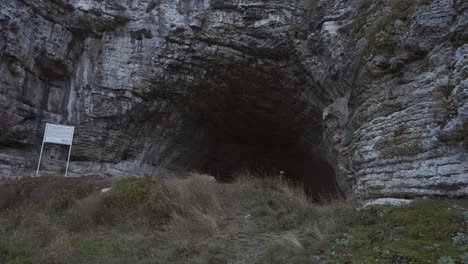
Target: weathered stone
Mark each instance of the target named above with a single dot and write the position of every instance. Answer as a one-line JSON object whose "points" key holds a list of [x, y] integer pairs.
{"points": [[372, 99]]}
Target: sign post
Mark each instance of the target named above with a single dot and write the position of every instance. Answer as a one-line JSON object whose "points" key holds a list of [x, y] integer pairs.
{"points": [[57, 134]]}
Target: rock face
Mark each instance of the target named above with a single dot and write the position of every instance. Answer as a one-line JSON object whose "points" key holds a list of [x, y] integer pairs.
{"points": [[366, 97]]}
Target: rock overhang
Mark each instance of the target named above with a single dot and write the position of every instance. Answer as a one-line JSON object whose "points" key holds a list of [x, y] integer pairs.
{"points": [[153, 85]]}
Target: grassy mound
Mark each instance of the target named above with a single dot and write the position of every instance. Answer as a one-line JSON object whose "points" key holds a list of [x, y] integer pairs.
{"points": [[197, 220]]}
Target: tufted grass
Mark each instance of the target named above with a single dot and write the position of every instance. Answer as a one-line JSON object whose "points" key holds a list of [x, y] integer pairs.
{"points": [[197, 220]]}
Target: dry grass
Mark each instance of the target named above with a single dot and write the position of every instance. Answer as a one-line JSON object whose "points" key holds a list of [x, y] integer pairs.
{"points": [[59, 250], [198, 192], [198, 204], [87, 213], [188, 225], [282, 249], [278, 187], [197, 220], [323, 234]]}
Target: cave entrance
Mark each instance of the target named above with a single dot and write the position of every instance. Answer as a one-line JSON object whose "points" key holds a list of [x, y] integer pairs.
{"points": [[258, 120], [299, 166]]}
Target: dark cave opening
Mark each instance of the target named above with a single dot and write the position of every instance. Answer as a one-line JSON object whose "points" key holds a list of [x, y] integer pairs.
{"points": [[259, 125], [300, 167]]}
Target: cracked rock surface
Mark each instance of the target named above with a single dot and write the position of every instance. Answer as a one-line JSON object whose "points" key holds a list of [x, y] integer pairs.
{"points": [[367, 97]]}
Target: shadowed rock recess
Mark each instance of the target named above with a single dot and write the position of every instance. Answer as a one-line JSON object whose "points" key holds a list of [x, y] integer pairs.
{"points": [[367, 98]]}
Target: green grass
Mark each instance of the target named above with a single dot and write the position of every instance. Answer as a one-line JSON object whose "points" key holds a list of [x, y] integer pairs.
{"points": [[419, 233], [196, 220]]}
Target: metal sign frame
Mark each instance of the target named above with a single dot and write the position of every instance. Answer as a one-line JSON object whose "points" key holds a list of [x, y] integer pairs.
{"points": [[44, 141]]}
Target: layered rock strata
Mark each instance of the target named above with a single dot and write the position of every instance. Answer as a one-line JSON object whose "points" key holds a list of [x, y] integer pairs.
{"points": [[369, 98]]}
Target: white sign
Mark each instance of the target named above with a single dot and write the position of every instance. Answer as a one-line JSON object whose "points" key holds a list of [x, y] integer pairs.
{"points": [[57, 134]]}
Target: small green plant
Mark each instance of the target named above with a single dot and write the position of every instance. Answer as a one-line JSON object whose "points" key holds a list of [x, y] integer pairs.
{"points": [[131, 191], [446, 260], [464, 258], [460, 239], [66, 198], [346, 239]]}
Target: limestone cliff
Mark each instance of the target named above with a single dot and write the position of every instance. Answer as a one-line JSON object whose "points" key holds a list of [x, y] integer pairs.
{"points": [[370, 97]]}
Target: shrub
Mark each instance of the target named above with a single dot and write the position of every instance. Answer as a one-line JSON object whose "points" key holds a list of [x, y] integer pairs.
{"points": [[131, 191]]}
